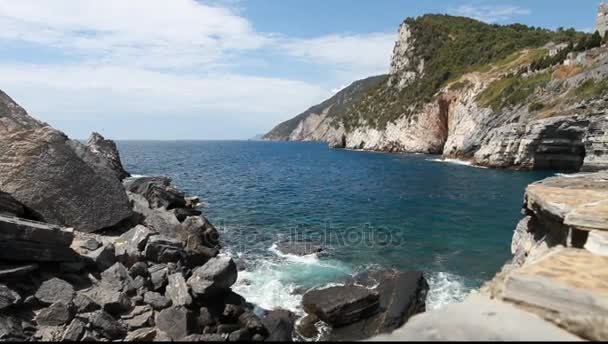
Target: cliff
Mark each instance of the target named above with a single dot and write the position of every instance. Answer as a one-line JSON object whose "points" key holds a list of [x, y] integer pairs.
{"points": [[555, 287], [498, 96]]}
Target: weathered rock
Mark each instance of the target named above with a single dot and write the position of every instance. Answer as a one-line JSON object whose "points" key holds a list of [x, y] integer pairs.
{"points": [[11, 328], [84, 304], [48, 334], [158, 275], [306, 327], [40, 168], [232, 313], [279, 324], [104, 257], [227, 328], [141, 335], [178, 291], [216, 276], [141, 316], [24, 240], [139, 269], [55, 290], [107, 151], [299, 248], [198, 231], [8, 297], [11, 207], [478, 319], [107, 325], [211, 337], [130, 246], [205, 318], [241, 335], [183, 213], [156, 300], [158, 191], [14, 270], [341, 306], [90, 244], [56, 314], [110, 299], [597, 243], [75, 331], [176, 322], [164, 250], [117, 277]]}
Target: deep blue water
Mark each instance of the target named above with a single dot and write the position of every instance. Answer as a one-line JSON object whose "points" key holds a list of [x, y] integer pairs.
{"points": [[451, 221]]}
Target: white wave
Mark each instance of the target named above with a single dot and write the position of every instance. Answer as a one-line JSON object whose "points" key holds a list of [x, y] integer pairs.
{"points": [[308, 259], [572, 175], [457, 162], [445, 289], [137, 176]]}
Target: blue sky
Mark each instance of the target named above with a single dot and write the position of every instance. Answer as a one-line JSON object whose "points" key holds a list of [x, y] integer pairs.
{"points": [[218, 69]]}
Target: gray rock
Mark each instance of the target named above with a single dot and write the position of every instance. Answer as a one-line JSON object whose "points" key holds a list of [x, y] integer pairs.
{"points": [[139, 269], [129, 246], [141, 335], [158, 191], [141, 316], [156, 300], [84, 304], [158, 276], [227, 328], [11, 328], [140, 283], [341, 306], [175, 322], [178, 291], [216, 276], [478, 319], [8, 297], [279, 324], [104, 257], [90, 244], [107, 325], [118, 278], [205, 318], [75, 331], [164, 250], [232, 313], [55, 290], [252, 322], [110, 299], [56, 314], [11, 207], [210, 337], [241, 335], [108, 152], [41, 168], [30, 241], [12, 270]]}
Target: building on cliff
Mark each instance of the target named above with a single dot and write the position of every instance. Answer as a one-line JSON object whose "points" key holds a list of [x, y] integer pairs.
{"points": [[601, 24]]}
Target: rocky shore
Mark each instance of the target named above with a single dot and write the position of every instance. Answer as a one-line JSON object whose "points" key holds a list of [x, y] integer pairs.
{"points": [[556, 286]]}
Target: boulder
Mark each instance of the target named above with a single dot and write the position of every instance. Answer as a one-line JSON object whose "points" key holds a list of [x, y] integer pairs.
{"points": [[164, 250], [11, 207], [84, 304], [90, 244], [478, 319], [158, 191], [8, 297], [156, 300], [201, 231], [75, 331], [141, 335], [343, 305], [252, 322], [141, 316], [108, 152], [129, 246], [205, 318], [158, 276], [178, 291], [41, 168], [25, 240], [11, 328], [55, 290], [216, 276], [160, 220], [104, 257], [176, 322], [139, 269], [117, 278], [183, 213], [279, 325], [56, 314], [110, 299], [105, 324], [241, 335]]}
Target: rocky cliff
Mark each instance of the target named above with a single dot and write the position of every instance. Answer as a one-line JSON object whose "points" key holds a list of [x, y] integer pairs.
{"points": [[498, 96], [556, 286]]}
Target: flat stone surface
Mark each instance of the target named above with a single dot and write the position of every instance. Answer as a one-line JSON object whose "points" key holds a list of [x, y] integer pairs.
{"points": [[141, 335], [178, 291], [54, 290], [570, 281], [340, 306], [56, 314], [597, 243], [478, 319]]}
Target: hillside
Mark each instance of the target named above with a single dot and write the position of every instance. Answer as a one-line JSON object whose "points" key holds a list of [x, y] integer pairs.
{"points": [[470, 90]]}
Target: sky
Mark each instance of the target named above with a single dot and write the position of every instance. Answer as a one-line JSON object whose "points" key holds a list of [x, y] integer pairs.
{"points": [[216, 69]]}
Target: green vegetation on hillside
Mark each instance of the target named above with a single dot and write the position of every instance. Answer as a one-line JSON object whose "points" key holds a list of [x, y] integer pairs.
{"points": [[450, 47], [512, 90], [591, 88]]}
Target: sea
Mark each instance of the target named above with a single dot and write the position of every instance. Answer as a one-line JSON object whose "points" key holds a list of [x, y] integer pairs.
{"points": [[368, 210]]}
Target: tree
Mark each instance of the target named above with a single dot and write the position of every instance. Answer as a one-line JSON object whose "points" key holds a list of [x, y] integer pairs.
{"points": [[605, 39], [595, 40], [581, 45]]}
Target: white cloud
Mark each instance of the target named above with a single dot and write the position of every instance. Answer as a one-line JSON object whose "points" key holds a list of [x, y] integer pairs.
{"points": [[491, 13]]}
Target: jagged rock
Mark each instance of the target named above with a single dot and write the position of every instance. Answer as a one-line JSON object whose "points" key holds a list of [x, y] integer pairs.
{"points": [[478, 319], [110, 299], [141, 316], [178, 291], [90, 244], [306, 327], [11, 328], [55, 290], [104, 257], [175, 322], [210, 337], [279, 324], [158, 191], [139, 269], [252, 322], [129, 246], [141, 335], [183, 213], [158, 275], [140, 283], [299, 248], [107, 325], [12, 270], [56, 314], [106, 149], [84, 304], [11, 207], [117, 277], [164, 250], [597, 243], [341, 306], [205, 318], [156, 300], [216, 276], [24, 240], [75, 331], [8, 297], [241, 335], [232, 313], [160, 220], [201, 231], [40, 168], [48, 334]]}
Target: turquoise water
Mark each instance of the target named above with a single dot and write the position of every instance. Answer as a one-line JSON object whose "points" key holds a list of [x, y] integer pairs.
{"points": [[371, 210]]}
